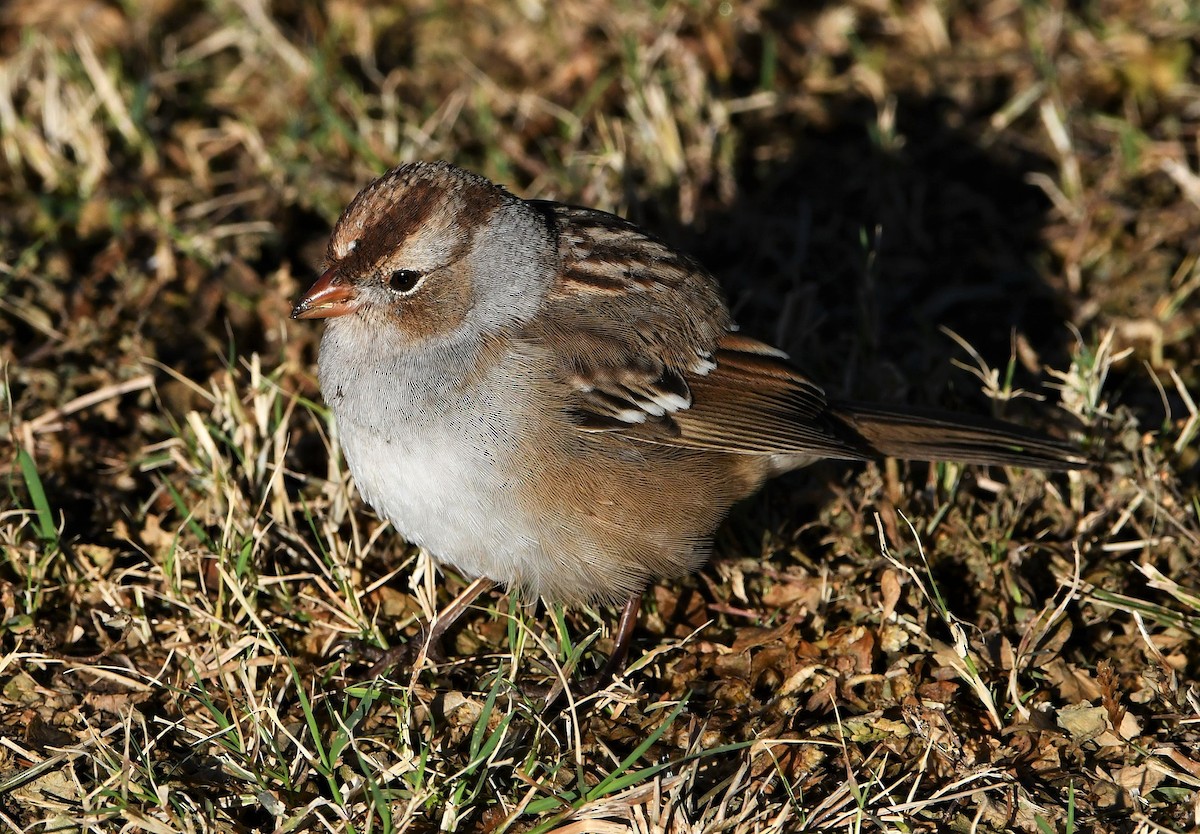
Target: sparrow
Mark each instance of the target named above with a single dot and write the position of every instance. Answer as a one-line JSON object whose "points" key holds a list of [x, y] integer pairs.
{"points": [[548, 397]]}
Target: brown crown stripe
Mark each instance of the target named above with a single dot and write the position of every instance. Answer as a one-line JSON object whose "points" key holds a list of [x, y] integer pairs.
{"points": [[386, 229]]}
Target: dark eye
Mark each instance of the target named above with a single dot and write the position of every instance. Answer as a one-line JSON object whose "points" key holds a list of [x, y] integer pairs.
{"points": [[403, 280]]}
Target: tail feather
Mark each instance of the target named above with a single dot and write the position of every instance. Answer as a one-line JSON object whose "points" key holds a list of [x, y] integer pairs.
{"points": [[926, 434]]}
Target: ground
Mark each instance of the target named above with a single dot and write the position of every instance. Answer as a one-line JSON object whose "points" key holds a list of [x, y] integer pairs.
{"points": [[987, 205]]}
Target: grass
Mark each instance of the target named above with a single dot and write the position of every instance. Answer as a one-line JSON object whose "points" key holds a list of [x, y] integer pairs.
{"points": [[985, 205]]}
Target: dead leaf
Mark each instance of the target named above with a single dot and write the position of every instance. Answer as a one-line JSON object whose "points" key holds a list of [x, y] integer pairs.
{"points": [[1139, 780], [1074, 685], [1084, 722]]}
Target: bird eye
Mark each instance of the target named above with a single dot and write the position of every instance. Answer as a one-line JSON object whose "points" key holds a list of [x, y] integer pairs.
{"points": [[403, 280]]}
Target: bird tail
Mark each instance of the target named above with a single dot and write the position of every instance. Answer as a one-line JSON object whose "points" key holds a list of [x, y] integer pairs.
{"points": [[930, 435]]}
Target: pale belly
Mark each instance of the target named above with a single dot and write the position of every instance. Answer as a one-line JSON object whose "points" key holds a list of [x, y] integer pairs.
{"points": [[448, 495]]}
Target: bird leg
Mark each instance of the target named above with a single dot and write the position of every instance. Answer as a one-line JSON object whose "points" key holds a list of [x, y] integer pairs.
{"points": [[620, 653], [428, 641], [616, 660]]}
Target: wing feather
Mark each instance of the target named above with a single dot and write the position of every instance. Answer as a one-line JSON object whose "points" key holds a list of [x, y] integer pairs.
{"points": [[647, 348]]}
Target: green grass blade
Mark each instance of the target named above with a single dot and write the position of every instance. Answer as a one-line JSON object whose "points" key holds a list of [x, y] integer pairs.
{"points": [[43, 520]]}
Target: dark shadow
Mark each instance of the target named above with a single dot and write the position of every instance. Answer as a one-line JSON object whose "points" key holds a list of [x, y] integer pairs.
{"points": [[853, 254]]}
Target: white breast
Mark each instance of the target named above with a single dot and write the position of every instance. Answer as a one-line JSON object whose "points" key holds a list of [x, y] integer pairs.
{"points": [[445, 494], [431, 457]]}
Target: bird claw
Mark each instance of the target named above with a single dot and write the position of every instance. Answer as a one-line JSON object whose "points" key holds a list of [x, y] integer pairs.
{"points": [[581, 688], [404, 655]]}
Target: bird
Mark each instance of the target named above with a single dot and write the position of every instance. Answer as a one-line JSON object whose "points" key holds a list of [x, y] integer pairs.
{"points": [[549, 398]]}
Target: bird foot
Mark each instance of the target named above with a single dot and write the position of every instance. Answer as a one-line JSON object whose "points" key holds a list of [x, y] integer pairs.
{"points": [[404, 655]]}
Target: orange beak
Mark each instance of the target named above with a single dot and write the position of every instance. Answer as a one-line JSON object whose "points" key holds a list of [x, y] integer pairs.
{"points": [[326, 299]]}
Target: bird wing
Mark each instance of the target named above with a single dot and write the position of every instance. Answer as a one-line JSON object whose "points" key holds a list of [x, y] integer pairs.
{"points": [[647, 349]]}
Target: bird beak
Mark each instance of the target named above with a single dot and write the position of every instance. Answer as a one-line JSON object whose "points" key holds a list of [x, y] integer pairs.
{"points": [[326, 299]]}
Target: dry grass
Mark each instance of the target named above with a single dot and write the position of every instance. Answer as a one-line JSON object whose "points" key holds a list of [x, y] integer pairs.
{"points": [[893, 647]]}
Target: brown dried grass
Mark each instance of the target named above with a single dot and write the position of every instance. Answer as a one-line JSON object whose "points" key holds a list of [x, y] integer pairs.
{"points": [[887, 648]]}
